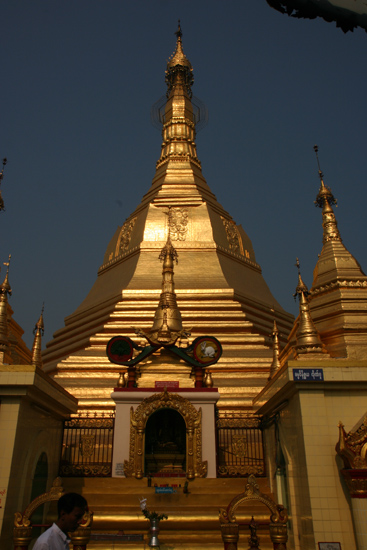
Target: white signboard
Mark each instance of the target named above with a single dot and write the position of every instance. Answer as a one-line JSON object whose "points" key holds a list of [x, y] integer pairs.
{"points": [[347, 14]]}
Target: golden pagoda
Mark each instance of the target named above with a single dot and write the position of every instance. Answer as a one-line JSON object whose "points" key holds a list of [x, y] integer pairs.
{"points": [[218, 283]]}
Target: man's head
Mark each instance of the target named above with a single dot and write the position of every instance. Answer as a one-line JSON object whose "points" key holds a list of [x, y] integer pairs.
{"points": [[71, 508]]}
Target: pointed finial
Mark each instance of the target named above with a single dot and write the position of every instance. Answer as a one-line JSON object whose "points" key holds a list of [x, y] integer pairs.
{"points": [[5, 286], [275, 363], [5, 291], [2, 207], [178, 33], [301, 287], [40, 325], [325, 200], [325, 194], [308, 339], [316, 149], [38, 332], [179, 71]]}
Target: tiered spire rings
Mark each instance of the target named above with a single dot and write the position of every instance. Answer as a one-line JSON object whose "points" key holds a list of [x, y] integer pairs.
{"points": [[178, 120], [325, 200]]}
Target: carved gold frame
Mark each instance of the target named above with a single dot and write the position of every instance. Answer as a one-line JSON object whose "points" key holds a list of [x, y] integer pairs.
{"points": [[195, 467]]}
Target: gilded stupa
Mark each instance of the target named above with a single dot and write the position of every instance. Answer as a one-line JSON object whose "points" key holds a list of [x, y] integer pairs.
{"points": [[219, 286]]}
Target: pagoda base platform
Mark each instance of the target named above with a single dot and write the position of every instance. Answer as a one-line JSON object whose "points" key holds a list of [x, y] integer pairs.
{"points": [[193, 517]]}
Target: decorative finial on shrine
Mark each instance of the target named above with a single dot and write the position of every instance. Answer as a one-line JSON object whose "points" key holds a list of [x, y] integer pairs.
{"points": [[308, 339], [325, 200], [2, 206], [301, 287], [38, 332], [5, 287], [179, 73], [275, 365], [5, 291], [178, 33]]}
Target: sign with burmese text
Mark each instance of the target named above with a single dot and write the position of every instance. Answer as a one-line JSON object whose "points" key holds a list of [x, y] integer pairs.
{"points": [[308, 375]]}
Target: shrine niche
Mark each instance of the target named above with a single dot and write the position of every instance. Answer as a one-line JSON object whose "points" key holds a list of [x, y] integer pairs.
{"points": [[184, 453], [165, 444]]}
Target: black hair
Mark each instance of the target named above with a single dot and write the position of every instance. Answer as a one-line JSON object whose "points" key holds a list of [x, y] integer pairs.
{"points": [[69, 501]]}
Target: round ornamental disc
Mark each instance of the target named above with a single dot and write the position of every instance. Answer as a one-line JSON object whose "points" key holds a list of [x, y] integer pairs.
{"points": [[207, 350], [119, 349]]}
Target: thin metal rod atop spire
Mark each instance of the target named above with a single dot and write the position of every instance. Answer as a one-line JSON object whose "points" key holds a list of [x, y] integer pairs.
{"points": [[316, 149], [178, 33]]}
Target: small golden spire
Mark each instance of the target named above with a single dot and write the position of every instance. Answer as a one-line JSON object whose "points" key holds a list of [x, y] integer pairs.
{"points": [[276, 363], [325, 200], [167, 324], [308, 339], [2, 206], [179, 69], [5, 291], [38, 332]]}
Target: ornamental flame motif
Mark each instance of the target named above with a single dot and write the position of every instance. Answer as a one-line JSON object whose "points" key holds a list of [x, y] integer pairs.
{"points": [[125, 237]]}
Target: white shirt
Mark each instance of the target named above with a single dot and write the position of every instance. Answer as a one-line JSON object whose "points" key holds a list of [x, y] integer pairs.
{"points": [[52, 539]]}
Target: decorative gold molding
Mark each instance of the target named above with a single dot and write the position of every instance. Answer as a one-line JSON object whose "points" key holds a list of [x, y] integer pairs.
{"points": [[278, 517], [195, 467], [56, 491], [124, 238], [233, 236], [236, 420], [178, 219], [85, 470], [338, 284]]}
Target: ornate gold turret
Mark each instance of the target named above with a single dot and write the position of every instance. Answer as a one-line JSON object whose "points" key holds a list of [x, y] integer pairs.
{"points": [[179, 120], [325, 200], [308, 340], [167, 325], [38, 332], [5, 291], [338, 298], [276, 363]]}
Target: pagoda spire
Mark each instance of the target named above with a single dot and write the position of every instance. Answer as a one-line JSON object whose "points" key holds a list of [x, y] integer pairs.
{"points": [[178, 119], [338, 284], [275, 363], [308, 339], [5, 291], [325, 200], [38, 332], [167, 324]]}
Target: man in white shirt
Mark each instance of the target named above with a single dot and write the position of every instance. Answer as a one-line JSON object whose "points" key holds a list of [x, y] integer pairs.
{"points": [[71, 508]]}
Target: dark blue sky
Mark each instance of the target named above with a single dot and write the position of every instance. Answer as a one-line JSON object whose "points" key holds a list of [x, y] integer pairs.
{"points": [[78, 80]]}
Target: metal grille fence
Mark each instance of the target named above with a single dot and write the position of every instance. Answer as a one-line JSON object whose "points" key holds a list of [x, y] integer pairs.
{"points": [[239, 447], [87, 446]]}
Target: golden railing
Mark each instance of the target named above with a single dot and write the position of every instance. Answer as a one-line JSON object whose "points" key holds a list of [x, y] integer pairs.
{"points": [[240, 448], [87, 446]]}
